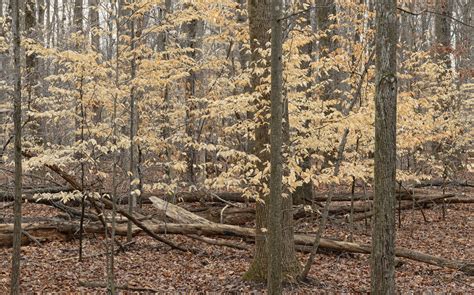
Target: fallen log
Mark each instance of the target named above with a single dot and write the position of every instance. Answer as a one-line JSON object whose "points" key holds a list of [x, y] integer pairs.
{"points": [[419, 203], [181, 215], [8, 195], [441, 182], [143, 226], [177, 213], [225, 230], [41, 232]]}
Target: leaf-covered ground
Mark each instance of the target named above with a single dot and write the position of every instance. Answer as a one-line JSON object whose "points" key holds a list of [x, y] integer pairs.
{"points": [[146, 263]]}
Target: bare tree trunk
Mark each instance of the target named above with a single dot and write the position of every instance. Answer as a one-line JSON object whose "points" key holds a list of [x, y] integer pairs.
{"points": [[94, 23], [132, 201], [55, 22], [78, 16], [383, 232], [16, 255], [259, 14], [305, 191], [111, 255], [443, 30], [31, 76], [192, 30], [275, 245], [260, 25]]}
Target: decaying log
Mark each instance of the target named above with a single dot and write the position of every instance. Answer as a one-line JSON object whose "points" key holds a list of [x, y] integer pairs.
{"points": [[7, 205], [181, 215], [225, 230], [8, 195], [220, 242], [441, 182], [177, 213], [418, 203], [40, 232], [143, 226]]}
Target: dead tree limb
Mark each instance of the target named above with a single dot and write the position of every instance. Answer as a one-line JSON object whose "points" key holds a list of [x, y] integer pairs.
{"points": [[75, 185]]}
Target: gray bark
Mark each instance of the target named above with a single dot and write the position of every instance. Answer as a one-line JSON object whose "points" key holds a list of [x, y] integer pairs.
{"points": [[275, 248], [383, 233], [132, 202], [259, 24], [443, 30], [305, 191], [94, 23], [78, 16], [16, 255]]}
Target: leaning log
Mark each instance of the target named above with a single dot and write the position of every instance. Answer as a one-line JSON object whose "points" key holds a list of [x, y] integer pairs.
{"points": [[177, 213]]}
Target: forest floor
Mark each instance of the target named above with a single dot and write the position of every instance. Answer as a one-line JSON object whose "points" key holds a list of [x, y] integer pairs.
{"points": [[54, 267]]}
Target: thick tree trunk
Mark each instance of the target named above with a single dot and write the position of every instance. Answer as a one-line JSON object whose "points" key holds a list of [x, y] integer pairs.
{"points": [[259, 12], [274, 242], [259, 24], [383, 235], [192, 29]]}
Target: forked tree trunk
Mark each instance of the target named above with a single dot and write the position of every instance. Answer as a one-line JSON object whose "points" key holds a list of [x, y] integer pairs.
{"points": [[260, 24], [383, 234]]}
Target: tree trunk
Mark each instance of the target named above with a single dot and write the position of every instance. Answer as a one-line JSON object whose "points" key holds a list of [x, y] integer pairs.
{"points": [[443, 30], [304, 192], [259, 24], [383, 234], [259, 12], [192, 29], [274, 221], [16, 255], [78, 17], [94, 24], [132, 201]]}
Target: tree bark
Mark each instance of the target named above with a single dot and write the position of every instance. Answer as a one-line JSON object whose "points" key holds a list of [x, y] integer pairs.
{"points": [[443, 30], [94, 24], [259, 12], [383, 234], [16, 255], [259, 24], [275, 245]]}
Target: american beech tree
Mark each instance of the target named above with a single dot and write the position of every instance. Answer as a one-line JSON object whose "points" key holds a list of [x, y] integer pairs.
{"points": [[194, 76], [383, 230]]}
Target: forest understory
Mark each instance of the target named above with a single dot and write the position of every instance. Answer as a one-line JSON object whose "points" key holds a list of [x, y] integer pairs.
{"points": [[154, 267]]}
